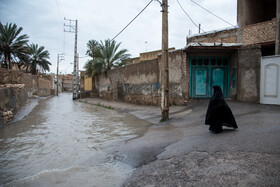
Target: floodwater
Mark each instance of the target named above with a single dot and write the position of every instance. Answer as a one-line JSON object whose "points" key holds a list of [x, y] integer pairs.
{"points": [[62, 142]]}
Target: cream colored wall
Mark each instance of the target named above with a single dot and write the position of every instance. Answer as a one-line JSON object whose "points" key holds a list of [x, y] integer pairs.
{"points": [[88, 84]]}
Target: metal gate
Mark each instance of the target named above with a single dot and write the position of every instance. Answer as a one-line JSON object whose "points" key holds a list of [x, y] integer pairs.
{"points": [[270, 80], [205, 72]]}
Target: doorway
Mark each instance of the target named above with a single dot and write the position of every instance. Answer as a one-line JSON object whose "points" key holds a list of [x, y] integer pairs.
{"points": [[205, 72]]}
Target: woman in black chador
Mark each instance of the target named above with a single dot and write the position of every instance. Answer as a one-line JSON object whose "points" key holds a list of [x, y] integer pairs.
{"points": [[218, 113]]}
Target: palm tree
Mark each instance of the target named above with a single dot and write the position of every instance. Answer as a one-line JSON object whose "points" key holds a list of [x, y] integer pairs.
{"points": [[38, 59], [13, 46], [105, 56], [93, 49], [110, 56]]}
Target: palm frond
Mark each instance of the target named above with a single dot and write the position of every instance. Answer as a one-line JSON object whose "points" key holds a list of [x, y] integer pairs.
{"points": [[38, 58], [106, 55], [12, 44]]}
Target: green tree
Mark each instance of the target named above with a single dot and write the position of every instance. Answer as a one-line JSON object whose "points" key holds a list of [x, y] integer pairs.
{"points": [[38, 59], [13, 45], [105, 56], [93, 48]]}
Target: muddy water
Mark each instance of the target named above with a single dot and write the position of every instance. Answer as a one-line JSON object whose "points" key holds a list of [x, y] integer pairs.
{"points": [[63, 143]]}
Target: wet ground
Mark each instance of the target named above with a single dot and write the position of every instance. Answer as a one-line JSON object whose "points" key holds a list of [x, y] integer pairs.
{"points": [[82, 144], [62, 142], [182, 151]]}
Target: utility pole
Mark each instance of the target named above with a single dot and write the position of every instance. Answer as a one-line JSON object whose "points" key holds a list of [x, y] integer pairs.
{"points": [[199, 28], [164, 63], [77, 70], [277, 41], [73, 28], [60, 57]]}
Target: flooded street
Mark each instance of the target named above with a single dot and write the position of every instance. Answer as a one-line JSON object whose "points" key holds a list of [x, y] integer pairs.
{"points": [[64, 143]]}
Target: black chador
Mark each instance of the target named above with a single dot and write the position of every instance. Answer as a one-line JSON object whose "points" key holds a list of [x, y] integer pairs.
{"points": [[218, 113]]}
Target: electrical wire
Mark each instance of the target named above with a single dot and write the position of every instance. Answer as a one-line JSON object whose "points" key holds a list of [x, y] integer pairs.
{"points": [[212, 13], [221, 18], [58, 9], [188, 15], [133, 19]]}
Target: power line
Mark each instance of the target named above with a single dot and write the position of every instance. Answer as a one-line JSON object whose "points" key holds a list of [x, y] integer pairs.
{"points": [[222, 19], [133, 19], [189, 16], [212, 13], [58, 9]]}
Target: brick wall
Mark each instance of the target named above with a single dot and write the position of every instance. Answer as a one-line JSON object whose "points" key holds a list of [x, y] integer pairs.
{"points": [[223, 36], [259, 33]]}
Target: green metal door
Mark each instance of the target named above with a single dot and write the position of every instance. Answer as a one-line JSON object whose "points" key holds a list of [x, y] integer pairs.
{"points": [[206, 72], [218, 78], [200, 82]]}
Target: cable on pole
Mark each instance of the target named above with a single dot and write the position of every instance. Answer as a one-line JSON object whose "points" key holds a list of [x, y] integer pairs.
{"points": [[212, 13], [133, 19], [189, 16]]}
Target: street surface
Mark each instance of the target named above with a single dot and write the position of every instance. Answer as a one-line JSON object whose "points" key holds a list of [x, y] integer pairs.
{"points": [[182, 152]]}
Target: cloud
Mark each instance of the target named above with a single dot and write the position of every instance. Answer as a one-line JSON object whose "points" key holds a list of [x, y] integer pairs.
{"points": [[42, 21]]}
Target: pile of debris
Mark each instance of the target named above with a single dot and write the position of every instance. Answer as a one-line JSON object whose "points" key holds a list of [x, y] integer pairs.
{"points": [[7, 116]]}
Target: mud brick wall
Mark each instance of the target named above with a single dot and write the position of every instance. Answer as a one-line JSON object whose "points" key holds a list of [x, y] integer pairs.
{"points": [[116, 83], [259, 32], [178, 77], [34, 85], [104, 86], [110, 85], [44, 86], [224, 36], [15, 87], [136, 83], [140, 83], [16, 77], [249, 60], [13, 98]]}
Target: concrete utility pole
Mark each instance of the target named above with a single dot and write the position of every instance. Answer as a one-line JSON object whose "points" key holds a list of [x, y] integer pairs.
{"points": [[164, 63], [77, 77], [74, 29], [60, 57], [277, 41]]}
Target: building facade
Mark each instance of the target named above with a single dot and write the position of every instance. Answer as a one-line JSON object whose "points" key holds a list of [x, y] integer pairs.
{"points": [[230, 58], [235, 52]]}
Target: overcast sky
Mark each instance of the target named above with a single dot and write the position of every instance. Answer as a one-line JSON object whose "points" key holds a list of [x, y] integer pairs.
{"points": [[42, 21]]}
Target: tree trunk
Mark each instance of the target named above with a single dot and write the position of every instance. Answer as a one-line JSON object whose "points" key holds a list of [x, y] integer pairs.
{"points": [[8, 62]]}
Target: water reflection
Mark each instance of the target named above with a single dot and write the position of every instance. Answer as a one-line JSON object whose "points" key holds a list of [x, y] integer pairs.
{"points": [[63, 142]]}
